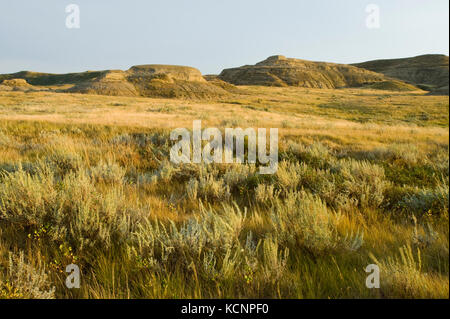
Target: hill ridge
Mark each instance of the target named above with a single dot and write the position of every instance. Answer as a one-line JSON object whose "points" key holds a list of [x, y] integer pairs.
{"points": [[428, 71], [279, 70]]}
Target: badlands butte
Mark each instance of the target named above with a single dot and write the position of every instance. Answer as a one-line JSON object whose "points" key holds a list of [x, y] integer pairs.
{"points": [[428, 73]]}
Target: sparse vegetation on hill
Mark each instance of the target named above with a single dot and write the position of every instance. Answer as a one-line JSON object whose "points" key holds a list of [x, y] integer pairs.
{"points": [[392, 85], [363, 178], [15, 85], [429, 72]]}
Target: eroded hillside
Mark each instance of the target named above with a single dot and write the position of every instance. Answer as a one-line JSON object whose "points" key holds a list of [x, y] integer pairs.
{"points": [[429, 72], [281, 71], [144, 80]]}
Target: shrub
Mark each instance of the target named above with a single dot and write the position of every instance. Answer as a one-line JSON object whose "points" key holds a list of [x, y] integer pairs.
{"points": [[192, 189], [238, 175], [5, 140], [407, 153], [223, 269], [303, 220], [288, 175], [316, 154], [166, 171], [439, 161], [124, 139], [71, 209], [98, 221], [23, 280], [28, 199], [424, 237], [63, 163], [321, 182]]}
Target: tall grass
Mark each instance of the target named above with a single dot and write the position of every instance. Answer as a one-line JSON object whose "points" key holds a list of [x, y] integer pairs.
{"points": [[107, 199]]}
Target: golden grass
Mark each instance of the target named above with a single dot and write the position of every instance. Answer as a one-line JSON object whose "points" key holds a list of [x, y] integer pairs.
{"points": [[395, 143]]}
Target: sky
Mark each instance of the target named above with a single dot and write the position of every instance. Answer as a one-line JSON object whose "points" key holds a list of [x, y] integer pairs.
{"points": [[213, 34]]}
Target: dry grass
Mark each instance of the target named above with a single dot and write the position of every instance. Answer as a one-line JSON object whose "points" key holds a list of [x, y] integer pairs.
{"points": [[363, 177]]}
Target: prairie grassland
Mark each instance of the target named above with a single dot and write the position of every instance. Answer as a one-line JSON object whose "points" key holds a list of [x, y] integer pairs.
{"points": [[363, 178]]}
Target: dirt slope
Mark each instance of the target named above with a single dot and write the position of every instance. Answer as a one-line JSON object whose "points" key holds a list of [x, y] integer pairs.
{"points": [[151, 80], [15, 85]]}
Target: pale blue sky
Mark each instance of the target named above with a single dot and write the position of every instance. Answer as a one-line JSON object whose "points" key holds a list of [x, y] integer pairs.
{"points": [[213, 34]]}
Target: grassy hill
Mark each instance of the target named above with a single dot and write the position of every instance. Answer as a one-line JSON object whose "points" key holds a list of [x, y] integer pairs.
{"points": [[145, 80], [429, 72], [362, 178], [393, 85], [281, 71]]}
